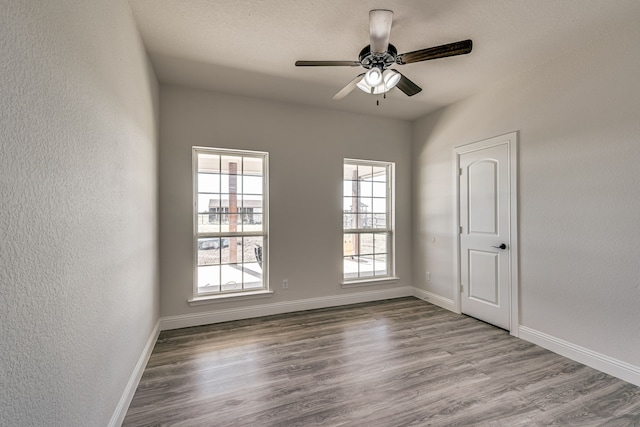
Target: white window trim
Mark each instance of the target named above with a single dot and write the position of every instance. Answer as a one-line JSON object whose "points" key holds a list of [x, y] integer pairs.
{"points": [[200, 299], [228, 296], [369, 281], [391, 246]]}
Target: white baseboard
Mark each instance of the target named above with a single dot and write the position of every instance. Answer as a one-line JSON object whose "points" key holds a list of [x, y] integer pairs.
{"points": [[123, 405], [601, 362], [434, 299], [226, 315]]}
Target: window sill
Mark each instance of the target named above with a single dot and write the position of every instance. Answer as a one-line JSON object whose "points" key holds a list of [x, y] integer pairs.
{"points": [[369, 282], [214, 299]]}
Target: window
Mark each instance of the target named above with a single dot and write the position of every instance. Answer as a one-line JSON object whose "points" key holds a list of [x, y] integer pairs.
{"points": [[230, 227], [367, 220]]}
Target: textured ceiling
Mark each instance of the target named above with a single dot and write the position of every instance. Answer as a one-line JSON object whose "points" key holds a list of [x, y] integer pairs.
{"points": [[249, 47]]}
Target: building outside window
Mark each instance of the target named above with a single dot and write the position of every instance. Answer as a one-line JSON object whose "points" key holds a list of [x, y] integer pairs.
{"points": [[368, 232], [230, 221]]}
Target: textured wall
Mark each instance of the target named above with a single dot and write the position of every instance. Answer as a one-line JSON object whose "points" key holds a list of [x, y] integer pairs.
{"points": [[78, 160], [578, 190], [306, 150]]}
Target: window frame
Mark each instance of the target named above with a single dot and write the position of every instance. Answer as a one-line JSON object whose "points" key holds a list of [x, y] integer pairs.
{"points": [[389, 229], [202, 297]]}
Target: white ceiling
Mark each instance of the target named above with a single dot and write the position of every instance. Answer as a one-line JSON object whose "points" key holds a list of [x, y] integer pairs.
{"points": [[248, 47]]}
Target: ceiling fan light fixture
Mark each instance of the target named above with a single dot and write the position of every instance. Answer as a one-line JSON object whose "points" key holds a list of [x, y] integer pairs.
{"points": [[373, 77], [391, 78], [372, 90]]}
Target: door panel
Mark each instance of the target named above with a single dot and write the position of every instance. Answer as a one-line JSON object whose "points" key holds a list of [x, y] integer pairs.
{"points": [[483, 277], [484, 219], [482, 196]]}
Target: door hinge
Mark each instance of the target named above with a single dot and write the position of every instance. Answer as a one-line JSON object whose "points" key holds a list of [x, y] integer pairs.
{"points": [[460, 171], [460, 229], [461, 288]]}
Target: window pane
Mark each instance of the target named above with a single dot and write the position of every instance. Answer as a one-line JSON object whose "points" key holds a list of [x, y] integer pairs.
{"points": [[366, 244], [350, 172], [208, 279], [380, 265], [350, 245], [208, 251], [231, 277], [251, 222], [207, 223], [365, 172], [252, 184], [252, 261], [365, 220], [208, 183], [350, 268], [380, 243], [252, 276], [252, 166], [365, 204], [380, 173], [204, 202], [379, 189], [350, 221], [379, 205], [351, 188], [366, 188], [348, 202], [231, 184], [257, 223], [231, 165], [379, 221], [253, 202], [208, 163], [230, 252], [252, 249], [365, 264], [230, 218]]}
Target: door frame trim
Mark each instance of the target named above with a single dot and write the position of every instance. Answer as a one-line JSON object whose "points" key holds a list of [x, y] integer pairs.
{"points": [[511, 140]]}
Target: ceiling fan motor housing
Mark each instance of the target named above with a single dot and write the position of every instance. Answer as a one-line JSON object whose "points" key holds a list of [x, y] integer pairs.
{"points": [[369, 60]]}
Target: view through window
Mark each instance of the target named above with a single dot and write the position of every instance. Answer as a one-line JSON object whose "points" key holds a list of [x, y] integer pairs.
{"points": [[367, 219], [230, 220]]}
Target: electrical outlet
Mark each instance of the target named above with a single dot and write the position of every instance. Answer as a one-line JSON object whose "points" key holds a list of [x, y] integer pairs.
{"points": [[428, 276], [285, 284]]}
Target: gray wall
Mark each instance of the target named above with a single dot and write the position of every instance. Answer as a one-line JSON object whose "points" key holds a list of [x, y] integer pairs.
{"points": [[579, 191], [306, 150], [78, 212]]}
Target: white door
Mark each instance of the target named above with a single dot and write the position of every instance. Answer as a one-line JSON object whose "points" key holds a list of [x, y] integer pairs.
{"points": [[485, 231]]}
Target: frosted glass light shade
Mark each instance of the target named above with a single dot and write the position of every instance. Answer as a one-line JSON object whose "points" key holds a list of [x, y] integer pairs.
{"points": [[373, 77], [374, 90], [391, 78]]}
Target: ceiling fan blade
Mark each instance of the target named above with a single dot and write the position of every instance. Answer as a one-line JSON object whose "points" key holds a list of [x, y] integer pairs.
{"points": [[407, 86], [348, 88], [451, 49], [380, 30], [327, 63]]}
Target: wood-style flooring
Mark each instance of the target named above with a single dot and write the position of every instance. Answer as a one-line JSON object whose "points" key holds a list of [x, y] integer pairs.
{"points": [[400, 362]]}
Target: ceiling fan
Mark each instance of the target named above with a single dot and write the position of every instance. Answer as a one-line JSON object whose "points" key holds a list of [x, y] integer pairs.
{"points": [[379, 55]]}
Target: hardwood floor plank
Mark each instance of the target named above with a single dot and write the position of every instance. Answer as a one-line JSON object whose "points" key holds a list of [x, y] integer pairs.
{"points": [[400, 362]]}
